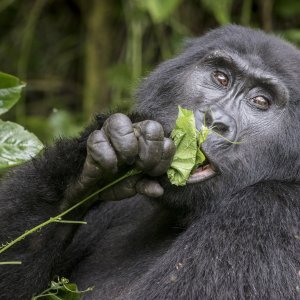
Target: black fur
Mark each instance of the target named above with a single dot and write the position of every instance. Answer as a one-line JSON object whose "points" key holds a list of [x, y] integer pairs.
{"points": [[235, 236]]}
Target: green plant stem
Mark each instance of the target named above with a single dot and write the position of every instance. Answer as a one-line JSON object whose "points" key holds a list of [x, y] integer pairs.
{"points": [[58, 217], [10, 263], [47, 294], [71, 222], [52, 291]]}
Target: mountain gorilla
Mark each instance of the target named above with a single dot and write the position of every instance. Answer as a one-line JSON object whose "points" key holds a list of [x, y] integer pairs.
{"points": [[233, 232]]}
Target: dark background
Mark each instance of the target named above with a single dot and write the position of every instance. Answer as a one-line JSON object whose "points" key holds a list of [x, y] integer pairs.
{"points": [[81, 57]]}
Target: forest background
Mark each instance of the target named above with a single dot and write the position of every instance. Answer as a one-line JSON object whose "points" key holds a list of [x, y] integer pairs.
{"points": [[82, 57]]}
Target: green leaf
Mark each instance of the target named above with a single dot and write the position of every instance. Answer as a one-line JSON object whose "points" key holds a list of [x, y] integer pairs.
{"points": [[159, 10], [62, 289], [53, 297], [10, 91], [201, 138], [187, 140], [17, 145], [70, 291]]}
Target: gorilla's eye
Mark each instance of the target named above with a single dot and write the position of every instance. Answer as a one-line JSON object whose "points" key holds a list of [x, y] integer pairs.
{"points": [[261, 102], [221, 78]]}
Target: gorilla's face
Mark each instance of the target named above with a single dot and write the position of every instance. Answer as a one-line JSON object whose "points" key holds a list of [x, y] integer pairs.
{"points": [[242, 104], [247, 90]]}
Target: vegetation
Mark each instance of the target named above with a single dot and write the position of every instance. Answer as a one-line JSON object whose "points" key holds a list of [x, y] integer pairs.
{"points": [[82, 57], [17, 145], [62, 289], [188, 140]]}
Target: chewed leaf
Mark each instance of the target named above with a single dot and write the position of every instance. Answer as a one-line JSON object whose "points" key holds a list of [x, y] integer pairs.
{"points": [[202, 134], [10, 91], [201, 138], [200, 157], [187, 140], [17, 145]]}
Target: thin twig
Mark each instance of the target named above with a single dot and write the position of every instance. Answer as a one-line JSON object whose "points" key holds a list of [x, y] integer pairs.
{"points": [[58, 217]]}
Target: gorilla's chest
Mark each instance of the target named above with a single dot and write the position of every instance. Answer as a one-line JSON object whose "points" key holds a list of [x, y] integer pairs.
{"points": [[121, 247], [251, 257], [120, 259]]}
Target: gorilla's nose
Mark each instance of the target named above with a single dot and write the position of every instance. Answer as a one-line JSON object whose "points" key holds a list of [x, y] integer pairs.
{"points": [[218, 120]]}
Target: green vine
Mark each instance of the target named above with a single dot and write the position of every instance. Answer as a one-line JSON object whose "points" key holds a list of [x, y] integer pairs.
{"points": [[58, 218]]}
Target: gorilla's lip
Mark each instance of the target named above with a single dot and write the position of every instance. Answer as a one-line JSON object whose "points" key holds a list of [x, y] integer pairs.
{"points": [[202, 173]]}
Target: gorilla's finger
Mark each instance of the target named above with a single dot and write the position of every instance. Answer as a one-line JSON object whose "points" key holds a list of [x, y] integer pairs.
{"points": [[119, 130], [121, 190], [91, 172], [100, 154], [150, 188], [166, 158], [150, 140]]}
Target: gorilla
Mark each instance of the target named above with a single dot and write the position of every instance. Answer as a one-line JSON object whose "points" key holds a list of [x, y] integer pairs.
{"points": [[233, 232]]}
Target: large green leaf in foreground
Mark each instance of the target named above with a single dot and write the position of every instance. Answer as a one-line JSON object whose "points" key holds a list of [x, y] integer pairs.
{"points": [[187, 140], [17, 145], [10, 91]]}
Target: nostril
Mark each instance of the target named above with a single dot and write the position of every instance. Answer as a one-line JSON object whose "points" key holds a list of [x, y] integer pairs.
{"points": [[217, 120], [220, 127]]}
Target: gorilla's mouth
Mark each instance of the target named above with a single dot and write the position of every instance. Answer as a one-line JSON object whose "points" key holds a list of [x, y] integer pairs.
{"points": [[202, 173]]}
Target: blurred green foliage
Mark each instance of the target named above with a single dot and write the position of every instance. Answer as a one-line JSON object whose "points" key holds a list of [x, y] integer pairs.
{"points": [[81, 57], [17, 145]]}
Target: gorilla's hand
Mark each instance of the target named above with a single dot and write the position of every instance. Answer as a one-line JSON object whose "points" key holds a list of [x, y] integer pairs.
{"points": [[120, 143]]}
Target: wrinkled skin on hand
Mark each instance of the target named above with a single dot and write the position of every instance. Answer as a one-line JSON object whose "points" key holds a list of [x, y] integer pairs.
{"points": [[120, 145]]}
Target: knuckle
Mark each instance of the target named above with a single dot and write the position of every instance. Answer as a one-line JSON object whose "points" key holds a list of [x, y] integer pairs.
{"points": [[127, 146], [118, 124], [100, 152], [120, 132], [104, 159], [95, 137], [152, 130], [97, 142], [117, 117], [106, 162]]}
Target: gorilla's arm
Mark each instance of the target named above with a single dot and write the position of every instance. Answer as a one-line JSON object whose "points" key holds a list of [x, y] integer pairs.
{"points": [[63, 175], [30, 195]]}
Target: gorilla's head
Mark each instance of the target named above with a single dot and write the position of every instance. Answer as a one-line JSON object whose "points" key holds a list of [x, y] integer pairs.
{"points": [[244, 83]]}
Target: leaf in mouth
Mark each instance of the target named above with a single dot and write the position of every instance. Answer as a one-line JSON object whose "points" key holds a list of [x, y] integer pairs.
{"points": [[188, 140]]}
